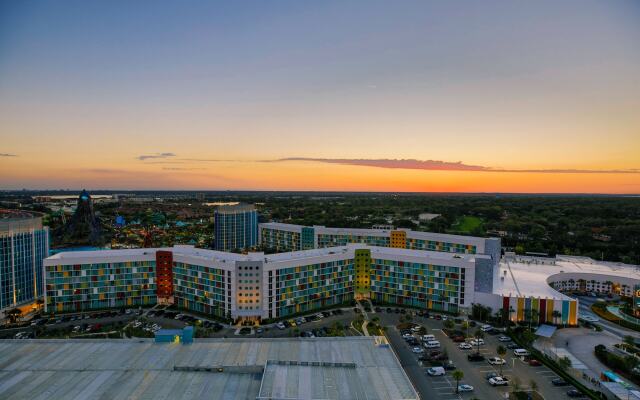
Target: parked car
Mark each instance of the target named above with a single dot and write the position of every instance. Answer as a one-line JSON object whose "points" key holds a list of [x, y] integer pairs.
{"points": [[417, 350], [475, 357], [458, 339], [559, 382], [504, 339], [496, 361], [436, 371], [465, 388], [498, 381], [259, 330], [416, 329], [389, 310], [476, 342], [520, 352], [575, 393], [513, 346], [280, 325], [486, 328], [465, 346], [534, 363]]}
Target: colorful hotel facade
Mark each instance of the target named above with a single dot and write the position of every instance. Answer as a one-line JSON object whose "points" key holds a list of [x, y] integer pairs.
{"points": [[258, 286], [287, 237]]}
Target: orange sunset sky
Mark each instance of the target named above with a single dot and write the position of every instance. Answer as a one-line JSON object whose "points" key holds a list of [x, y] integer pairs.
{"points": [[359, 96]]}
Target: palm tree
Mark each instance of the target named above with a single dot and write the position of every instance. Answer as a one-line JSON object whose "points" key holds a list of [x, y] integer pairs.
{"points": [[556, 314], [629, 340], [564, 362], [478, 335], [502, 351], [14, 314], [535, 314], [457, 375]]}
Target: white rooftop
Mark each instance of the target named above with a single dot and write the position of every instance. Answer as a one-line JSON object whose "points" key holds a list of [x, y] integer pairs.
{"points": [[529, 276], [140, 369]]}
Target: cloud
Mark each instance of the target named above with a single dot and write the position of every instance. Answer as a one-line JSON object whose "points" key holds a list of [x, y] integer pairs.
{"points": [[436, 165], [156, 155], [180, 169], [8, 155], [431, 165]]}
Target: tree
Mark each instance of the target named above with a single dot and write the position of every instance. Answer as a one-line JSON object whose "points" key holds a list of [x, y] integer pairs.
{"points": [[629, 340], [448, 324], [535, 314], [14, 314], [457, 375], [502, 351], [478, 335], [564, 363]]}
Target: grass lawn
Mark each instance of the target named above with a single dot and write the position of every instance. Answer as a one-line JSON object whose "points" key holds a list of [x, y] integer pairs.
{"points": [[466, 224]]}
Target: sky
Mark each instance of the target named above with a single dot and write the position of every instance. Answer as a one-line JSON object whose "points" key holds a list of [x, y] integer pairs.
{"points": [[419, 96]]}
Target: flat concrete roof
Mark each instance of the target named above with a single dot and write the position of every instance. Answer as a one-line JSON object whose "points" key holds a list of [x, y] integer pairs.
{"points": [[141, 369], [529, 276]]}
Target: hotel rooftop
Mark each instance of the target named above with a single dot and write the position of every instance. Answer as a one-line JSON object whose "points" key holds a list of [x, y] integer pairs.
{"points": [[522, 276]]}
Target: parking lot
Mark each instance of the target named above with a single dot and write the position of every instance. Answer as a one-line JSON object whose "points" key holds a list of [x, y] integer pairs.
{"points": [[515, 370]]}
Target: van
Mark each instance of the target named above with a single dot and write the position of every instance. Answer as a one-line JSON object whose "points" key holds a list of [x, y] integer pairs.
{"points": [[520, 353], [486, 328], [436, 371], [432, 344], [428, 338]]}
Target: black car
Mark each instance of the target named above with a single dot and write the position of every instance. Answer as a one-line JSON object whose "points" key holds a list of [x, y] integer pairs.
{"points": [[397, 310], [575, 393], [475, 357], [512, 346], [378, 309], [559, 382], [338, 312], [389, 310]]}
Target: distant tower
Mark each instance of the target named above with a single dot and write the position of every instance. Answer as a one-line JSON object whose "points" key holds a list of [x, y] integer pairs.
{"points": [[83, 228], [235, 227]]}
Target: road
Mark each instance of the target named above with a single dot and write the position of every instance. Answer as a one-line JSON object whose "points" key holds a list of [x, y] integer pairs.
{"points": [[619, 331]]}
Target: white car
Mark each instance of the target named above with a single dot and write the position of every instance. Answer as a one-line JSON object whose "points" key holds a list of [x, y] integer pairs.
{"points": [[497, 361], [178, 316], [418, 350], [465, 388], [444, 317], [280, 325], [476, 342], [137, 324], [416, 329], [504, 339], [465, 346], [319, 315], [498, 381], [76, 329]]}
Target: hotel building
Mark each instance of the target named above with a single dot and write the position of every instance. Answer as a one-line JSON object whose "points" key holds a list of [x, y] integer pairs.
{"points": [[258, 286], [24, 244], [287, 237], [235, 227]]}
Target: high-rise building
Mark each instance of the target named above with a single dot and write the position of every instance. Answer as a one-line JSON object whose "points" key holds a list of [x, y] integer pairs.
{"points": [[235, 227], [24, 243]]}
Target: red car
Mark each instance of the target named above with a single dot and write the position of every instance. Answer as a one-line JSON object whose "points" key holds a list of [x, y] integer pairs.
{"points": [[458, 339], [534, 363]]}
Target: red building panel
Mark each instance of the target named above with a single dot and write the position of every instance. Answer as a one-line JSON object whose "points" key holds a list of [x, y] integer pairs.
{"points": [[164, 274]]}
